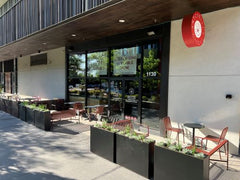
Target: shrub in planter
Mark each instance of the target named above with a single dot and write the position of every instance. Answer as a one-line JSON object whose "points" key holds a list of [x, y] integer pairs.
{"points": [[42, 117], [171, 162], [135, 152], [103, 141]]}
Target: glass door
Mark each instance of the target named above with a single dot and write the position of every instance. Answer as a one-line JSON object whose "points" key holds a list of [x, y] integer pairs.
{"points": [[116, 102], [8, 86], [124, 98], [130, 100]]}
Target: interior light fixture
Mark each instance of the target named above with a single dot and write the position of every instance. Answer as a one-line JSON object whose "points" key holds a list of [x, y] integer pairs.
{"points": [[151, 33], [44, 43], [74, 35], [121, 20]]}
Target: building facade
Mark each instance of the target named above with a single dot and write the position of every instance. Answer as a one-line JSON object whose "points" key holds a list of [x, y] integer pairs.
{"points": [[131, 58]]}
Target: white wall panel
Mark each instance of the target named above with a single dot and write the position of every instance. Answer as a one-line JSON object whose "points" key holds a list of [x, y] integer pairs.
{"points": [[200, 77], [47, 81]]}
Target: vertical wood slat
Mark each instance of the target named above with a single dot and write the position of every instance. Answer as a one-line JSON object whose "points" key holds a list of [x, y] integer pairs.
{"points": [[19, 18]]}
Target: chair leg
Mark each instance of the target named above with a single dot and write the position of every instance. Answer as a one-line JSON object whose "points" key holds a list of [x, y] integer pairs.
{"points": [[183, 137], [220, 155], [166, 133], [225, 149], [79, 118], [206, 144], [178, 137]]}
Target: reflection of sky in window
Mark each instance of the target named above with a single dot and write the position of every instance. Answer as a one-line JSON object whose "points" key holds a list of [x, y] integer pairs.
{"points": [[93, 72], [99, 64], [82, 59]]}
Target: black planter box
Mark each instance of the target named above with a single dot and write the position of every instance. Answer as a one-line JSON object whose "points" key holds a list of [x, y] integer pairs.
{"points": [[8, 106], [135, 155], [2, 107], [30, 115], [43, 120], [15, 108], [172, 165], [103, 143], [22, 112]]}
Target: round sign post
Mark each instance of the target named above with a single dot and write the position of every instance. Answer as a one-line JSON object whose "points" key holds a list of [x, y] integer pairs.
{"points": [[193, 29]]}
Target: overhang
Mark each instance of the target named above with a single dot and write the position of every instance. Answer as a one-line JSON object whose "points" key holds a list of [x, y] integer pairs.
{"points": [[104, 21]]}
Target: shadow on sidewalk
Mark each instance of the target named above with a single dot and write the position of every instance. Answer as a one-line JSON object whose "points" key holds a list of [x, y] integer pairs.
{"points": [[13, 174], [69, 127]]}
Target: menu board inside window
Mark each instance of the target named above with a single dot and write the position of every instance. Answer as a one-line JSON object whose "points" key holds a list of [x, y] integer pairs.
{"points": [[125, 61]]}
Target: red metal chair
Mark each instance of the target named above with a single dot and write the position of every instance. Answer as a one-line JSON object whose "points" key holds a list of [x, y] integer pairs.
{"points": [[78, 108], [98, 112], [121, 124], [216, 139], [168, 127]]}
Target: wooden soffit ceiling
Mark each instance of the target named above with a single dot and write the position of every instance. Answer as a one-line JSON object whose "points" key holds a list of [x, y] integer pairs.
{"points": [[104, 21]]}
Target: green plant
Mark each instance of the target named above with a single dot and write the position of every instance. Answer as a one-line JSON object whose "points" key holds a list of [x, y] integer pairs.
{"points": [[24, 103], [106, 126], [31, 106], [199, 155], [144, 98], [153, 98], [179, 148], [194, 150], [42, 107], [169, 142], [134, 135]]}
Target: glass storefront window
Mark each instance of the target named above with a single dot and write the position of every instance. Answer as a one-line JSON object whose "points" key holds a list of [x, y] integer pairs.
{"points": [[77, 65], [76, 79], [151, 102], [151, 61], [126, 76], [125, 61], [97, 91], [131, 98], [13, 75], [97, 64], [97, 87], [76, 89], [1, 82], [116, 91], [151, 85]]}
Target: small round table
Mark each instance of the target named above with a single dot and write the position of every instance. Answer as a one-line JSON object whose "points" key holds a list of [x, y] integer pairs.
{"points": [[194, 126]]}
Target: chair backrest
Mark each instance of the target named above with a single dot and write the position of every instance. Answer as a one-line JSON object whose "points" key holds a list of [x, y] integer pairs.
{"points": [[99, 109], [122, 124], [60, 104], [78, 106], [167, 122], [223, 134]]}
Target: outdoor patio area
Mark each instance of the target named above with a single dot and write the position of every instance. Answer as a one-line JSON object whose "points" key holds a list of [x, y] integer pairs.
{"points": [[27, 152]]}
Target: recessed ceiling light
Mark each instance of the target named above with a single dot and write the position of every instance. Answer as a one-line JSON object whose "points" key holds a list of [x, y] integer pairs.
{"points": [[44, 43], [74, 35], [151, 33], [121, 20]]}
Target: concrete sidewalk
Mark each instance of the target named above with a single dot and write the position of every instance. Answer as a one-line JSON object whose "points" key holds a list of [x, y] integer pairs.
{"points": [[28, 153]]}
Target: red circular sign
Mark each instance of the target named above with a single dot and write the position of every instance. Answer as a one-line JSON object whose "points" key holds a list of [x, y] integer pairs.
{"points": [[193, 29]]}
